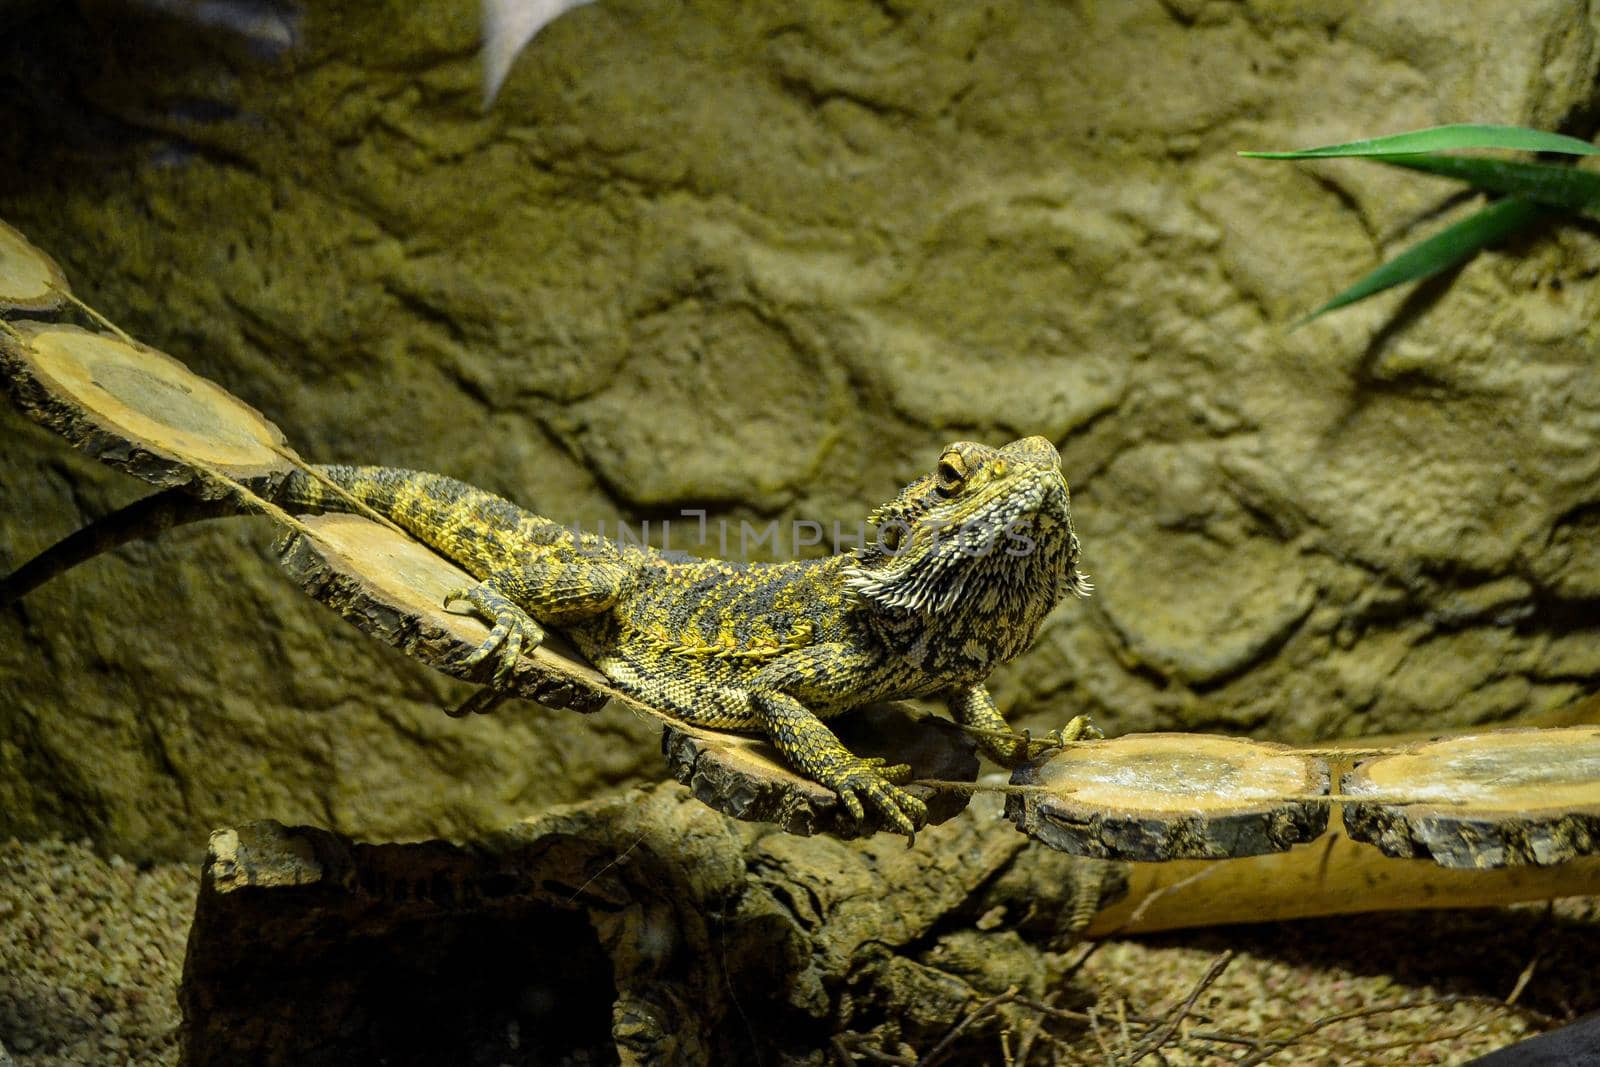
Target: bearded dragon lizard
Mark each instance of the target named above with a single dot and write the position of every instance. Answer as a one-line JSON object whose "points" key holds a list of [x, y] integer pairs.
{"points": [[966, 563]]}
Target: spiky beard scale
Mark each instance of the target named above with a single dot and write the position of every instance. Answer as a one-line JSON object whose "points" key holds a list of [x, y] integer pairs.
{"points": [[989, 605]]}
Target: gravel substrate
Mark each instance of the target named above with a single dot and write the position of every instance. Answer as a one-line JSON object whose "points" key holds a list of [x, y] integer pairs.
{"points": [[91, 952], [1429, 987]]}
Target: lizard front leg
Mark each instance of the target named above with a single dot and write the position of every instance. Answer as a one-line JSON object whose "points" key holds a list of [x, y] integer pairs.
{"points": [[829, 674], [973, 706]]}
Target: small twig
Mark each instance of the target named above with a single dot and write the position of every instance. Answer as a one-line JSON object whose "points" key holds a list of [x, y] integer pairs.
{"points": [[1222, 1038], [1082, 1018], [361, 507], [256, 500], [1298, 1036], [981, 787], [1138, 913], [1523, 979], [1282, 798], [1351, 753], [1367, 798], [99, 319], [939, 1050], [1088, 952], [1100, 1039], [858, 1047], [1163, 1033], [1034, 746], [1026, 1037]]}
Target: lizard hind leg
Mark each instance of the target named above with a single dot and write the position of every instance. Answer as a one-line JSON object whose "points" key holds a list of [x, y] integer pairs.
{"points": [[513, 631]]}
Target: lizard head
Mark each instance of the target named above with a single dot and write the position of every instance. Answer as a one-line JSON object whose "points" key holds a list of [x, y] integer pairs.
{"points": [[986, 535]]}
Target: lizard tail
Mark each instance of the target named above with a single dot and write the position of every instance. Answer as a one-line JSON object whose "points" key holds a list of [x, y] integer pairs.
{"points": [[146, 518], [477, 530], [142, 519]]}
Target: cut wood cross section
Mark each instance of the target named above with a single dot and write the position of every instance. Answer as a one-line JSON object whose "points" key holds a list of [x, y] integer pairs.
{"points": [[1509, 798], [1491, 800], [1172, 796], [29, 279], [138, 409]]}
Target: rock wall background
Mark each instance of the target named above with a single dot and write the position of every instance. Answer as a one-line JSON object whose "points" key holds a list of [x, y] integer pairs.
{"points": [[767, 259]]}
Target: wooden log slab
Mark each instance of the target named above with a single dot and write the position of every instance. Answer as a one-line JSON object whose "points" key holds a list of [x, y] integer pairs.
{"points": [[1157, 797], [137, 409], [393, 588], [744, 777], [1508, 798], [29, 279], [1332, 875], [640, 928]]}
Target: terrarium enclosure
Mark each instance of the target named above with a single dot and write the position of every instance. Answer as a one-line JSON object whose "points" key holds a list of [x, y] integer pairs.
{"points": [[724, 277]]}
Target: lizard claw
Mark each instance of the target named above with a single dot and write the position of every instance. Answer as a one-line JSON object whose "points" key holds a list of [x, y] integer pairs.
{"points": [[1080, 728], [872, 781], [513, 630]]}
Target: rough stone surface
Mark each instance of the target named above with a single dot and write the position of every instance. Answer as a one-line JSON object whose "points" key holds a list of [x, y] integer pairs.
{"points": [[767, 259]]}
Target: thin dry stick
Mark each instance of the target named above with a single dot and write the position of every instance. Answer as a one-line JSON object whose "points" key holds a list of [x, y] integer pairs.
{"points": [[1546, 918], [1366, 798], [359, 506], [940, 1050], [981, 787], [1163, 1033], [1051, 742], [1029, 1034], [99, 319], [1299, 1036], [1077, 964], [246, 494], [1100, 1038], [1284, 798], [1407, 1042], [1342, 754], [1145, 904]]}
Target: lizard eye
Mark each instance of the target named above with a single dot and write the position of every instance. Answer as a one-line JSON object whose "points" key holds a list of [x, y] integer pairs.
{"points": [[951, 475]]}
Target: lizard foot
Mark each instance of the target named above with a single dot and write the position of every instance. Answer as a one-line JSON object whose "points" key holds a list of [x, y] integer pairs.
{"points": [[1081, 728], [514, 630], [877, 783]]}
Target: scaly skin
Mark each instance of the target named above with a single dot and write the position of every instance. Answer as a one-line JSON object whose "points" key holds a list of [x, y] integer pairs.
{"points": [[966, 563]]}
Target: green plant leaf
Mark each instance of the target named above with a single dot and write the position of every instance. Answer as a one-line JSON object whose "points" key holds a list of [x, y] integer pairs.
{"points": [[1550, 184], [1441, 251], [1444, 139]]}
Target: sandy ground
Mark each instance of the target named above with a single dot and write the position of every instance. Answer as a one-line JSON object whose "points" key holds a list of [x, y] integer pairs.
{"points": [[91, 951]]}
